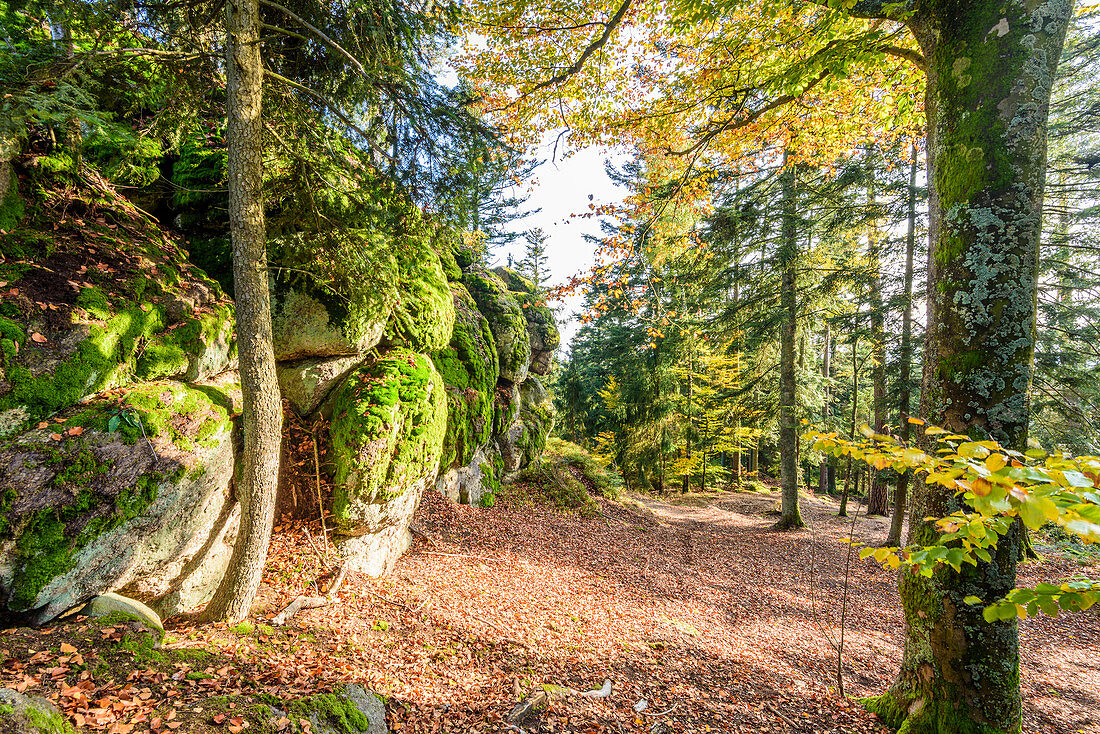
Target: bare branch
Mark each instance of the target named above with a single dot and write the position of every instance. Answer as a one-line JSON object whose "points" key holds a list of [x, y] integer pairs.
{"points": [[318, 33], [333, 108], [592, 48]]}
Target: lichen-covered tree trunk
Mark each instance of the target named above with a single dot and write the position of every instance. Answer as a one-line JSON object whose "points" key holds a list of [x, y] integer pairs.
{"points": [[990, 68], [788, 304], [257, 473]]}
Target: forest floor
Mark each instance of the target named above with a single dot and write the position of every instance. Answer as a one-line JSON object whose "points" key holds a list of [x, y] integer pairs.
{"points": [[690, 603]]}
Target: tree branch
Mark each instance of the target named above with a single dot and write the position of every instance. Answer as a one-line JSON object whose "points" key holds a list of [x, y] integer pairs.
{"points": [[318, 33], [333, 108], [732, 123], [592, 48], [915, 57]]}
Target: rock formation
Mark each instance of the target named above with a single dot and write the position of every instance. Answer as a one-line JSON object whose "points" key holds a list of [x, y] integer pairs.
{"points": [[118, 403]]}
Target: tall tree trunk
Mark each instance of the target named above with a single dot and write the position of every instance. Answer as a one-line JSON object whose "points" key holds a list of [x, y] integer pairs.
{"points": [[877, 494], [990, 69], [691, 423], [905, 362], [788, 303], [737, 354], [826, 364], [852, 431], [261, 415]]}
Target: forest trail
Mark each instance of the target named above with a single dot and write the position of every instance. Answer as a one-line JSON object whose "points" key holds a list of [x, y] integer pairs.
{"points": [[691, 603], [688, 602]]}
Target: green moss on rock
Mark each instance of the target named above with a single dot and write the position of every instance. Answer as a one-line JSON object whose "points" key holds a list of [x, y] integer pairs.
{"points": [[52, 536], [389, 419], [537, 415], [506, 321], [469, 369], [542, 328], [424, 315], [78, 496], [93, 301], [103, 360], [310, 323], [444, 246], [196, 348]]}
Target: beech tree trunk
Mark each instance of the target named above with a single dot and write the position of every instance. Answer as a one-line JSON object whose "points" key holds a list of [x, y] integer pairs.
{"points": [[788, 303], [905, 361], [257, 474], [990, 70]]}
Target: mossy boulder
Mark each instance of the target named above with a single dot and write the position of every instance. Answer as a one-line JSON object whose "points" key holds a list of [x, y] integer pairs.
{"points": [[467, 251], [525, 439], [467, 484], [424, 314], [306, 383], [505, 406], [469, 367], [445, 243], [542, 329], [23, 714], [309, 324], [195, 349], [79, 318], [130, 491], [389, 420], [506, 321], [348, 710]]}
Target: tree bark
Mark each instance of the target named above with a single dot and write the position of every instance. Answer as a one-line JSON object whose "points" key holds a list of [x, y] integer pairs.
{"points": [[852, 432], [990, 69], [877, 494], [788, 303], [905, 361], [257, 474], [826, 364]]}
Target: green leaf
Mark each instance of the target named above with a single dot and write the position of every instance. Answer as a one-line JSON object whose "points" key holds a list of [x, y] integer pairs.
{"points": [[1032, 514], [972, 600], [112, 424]]}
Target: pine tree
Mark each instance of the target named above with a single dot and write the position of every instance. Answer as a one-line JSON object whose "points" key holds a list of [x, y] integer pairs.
{"points": [[535, 260]]}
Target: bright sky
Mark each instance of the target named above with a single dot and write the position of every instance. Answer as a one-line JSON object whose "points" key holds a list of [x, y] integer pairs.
{"points": [[562, 190]]}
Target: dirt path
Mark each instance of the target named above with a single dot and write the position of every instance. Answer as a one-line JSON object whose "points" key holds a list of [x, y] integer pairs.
{"points": [[696, 606], [691, 604]]}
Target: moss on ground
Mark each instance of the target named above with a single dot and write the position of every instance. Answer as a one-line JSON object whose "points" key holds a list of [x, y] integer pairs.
{"points": [[335, 709], [605, 481]]}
